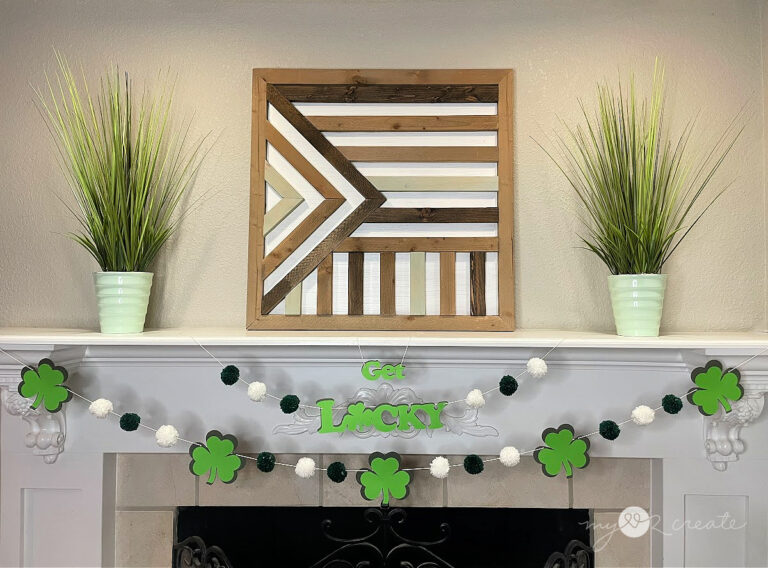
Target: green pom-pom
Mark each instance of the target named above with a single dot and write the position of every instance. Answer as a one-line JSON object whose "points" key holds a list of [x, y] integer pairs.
{"points": [[230, 375], [265, 461], [671, 404], [129, 421], [289, 403], [473, 464], [337, 472], [609, 430], [508, 385]]}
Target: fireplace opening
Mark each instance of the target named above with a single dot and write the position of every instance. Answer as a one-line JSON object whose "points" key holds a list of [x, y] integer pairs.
{"points": [[407, 537]]}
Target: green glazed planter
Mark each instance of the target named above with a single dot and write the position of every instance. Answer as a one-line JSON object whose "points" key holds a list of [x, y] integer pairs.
{"points": [[122, 298], [637, 301]]}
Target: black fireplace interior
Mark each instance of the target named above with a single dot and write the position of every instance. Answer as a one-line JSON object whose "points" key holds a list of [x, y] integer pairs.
{"points": [[320, 537]]}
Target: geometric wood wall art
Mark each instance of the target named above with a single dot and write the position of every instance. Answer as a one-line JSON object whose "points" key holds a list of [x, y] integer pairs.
{"points": [[381, 199]]}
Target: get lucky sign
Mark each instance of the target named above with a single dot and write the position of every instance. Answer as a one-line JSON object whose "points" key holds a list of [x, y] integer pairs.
{"points": [[383, 417]]}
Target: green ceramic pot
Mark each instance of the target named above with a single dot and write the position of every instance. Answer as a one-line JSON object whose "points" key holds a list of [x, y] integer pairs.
{"points": [[637, 301], [122, 298]]}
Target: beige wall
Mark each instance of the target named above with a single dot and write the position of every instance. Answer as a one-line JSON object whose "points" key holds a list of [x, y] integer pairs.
{"points": [[559, 49]]}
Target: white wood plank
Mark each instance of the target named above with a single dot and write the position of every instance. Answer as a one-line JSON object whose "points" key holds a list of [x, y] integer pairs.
{"points": [[437, 199], [371, 283], [340, 283], [435, 183], [426, 168], [272, 197], [426, 230], [402, 283], [492, 283], [309, 294], [433, 284], [395, 109], [462, 283], [412, 138]]}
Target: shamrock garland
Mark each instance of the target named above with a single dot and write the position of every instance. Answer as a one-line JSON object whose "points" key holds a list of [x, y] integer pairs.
{"points": [[715, 389], [563, 451], [45, 385], [384, 478], [216, 458]]}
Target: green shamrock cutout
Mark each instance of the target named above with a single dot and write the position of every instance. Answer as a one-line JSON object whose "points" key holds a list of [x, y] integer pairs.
{"points": [[384, 479], [216, 458], [715, 388], [563, 451], [45, 385]]}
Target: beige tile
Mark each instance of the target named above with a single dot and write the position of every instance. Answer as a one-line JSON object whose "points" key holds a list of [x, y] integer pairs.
{"points": [[613, 483], [143, 538], [154, 480], [498, 486], [424, 490], [613, 549], [280, 487]]}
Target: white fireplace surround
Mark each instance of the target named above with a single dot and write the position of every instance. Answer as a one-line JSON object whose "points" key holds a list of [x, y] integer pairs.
{"points": [[52, 466]]}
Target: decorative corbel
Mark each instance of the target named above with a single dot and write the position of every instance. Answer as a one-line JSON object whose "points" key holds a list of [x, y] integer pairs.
{"points": [[723, 441], [47, 431]]}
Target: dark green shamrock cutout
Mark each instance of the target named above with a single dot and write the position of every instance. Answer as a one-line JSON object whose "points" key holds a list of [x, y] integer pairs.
{"points": [[45, 385], [563, 451], [715, 388], [216, 458], [384, 479]]}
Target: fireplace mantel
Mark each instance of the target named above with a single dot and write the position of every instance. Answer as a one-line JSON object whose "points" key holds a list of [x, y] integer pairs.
{"points": [[580, 356]]}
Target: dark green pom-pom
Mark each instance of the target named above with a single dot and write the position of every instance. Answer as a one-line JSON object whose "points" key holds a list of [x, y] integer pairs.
{"points": [[337, 472], [671, 404], [129, 421], [609, 430], [508, 385], [265, 461], [473, 464], [230, 375], [289, 403]]}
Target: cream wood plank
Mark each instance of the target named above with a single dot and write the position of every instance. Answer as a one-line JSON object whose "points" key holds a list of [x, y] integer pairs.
{"points": [[279, 183], [435, 183], [293, 301], [278, 213], [418, 283]]}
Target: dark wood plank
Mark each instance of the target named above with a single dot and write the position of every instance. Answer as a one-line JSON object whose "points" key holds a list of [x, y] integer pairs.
{"points": [[360, 93], [447, 283], [413, 244], [420, 153], [321, 144], [383, 76], [355, 284], [387, 284], [477, 283], [428, 215], [325, 286], [468, 123]]}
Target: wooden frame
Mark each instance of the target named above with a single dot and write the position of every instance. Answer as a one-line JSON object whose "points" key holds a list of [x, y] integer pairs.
{"points": [[280, 89]]}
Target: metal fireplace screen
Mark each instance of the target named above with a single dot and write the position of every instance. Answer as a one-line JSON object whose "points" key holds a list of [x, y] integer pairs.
{"points": [[350, 537]]}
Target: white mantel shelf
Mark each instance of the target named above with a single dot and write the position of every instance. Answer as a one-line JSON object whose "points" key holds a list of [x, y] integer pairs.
{"points": [[521, 338]]}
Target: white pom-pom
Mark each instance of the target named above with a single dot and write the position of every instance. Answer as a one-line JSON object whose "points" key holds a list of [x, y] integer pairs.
{"points": [[643, 415], [305, 468], [509, 456], [537, 367], [257, 391], [475, 398], [439, 467], [166, 436], [100, 408]]}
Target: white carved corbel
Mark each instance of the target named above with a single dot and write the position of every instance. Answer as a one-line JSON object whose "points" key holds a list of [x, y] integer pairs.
{"points": [[47, 431], [723, 441]]}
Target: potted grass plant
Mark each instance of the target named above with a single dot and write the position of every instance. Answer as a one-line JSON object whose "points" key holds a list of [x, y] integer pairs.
{"points": [[641, 191], [128, 171]]}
